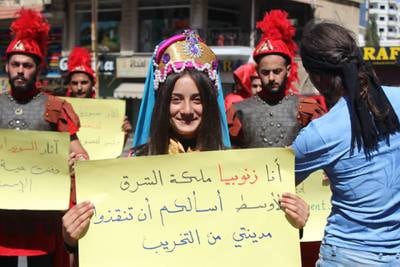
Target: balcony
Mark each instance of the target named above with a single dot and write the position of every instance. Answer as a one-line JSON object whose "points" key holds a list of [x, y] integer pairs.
{"points": [[393, 23], [392, 35], [393, 11]]}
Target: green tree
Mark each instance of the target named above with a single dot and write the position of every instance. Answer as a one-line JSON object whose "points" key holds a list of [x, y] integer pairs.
{"points": [[371, 35]]}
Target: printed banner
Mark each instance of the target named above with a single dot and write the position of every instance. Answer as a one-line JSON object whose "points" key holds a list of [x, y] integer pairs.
{"points": [[217, 208]]}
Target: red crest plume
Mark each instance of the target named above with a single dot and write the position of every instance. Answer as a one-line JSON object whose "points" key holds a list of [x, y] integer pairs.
{"points": [[276, 26], [31, 34]]}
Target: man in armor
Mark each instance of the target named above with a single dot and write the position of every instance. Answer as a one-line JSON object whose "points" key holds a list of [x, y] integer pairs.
{"points": [[81, 77], [274, 116], [81, 80], [36, 235]]}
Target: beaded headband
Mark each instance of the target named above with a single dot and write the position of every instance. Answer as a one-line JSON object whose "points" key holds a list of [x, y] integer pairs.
{"points": [[182, 51]]}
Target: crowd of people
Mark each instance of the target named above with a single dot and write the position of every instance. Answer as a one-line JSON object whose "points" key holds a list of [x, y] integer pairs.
{"points": [[356, 141]]}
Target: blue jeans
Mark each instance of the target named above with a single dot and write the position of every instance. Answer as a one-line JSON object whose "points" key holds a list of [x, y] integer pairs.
{"points": [[333, 256]]}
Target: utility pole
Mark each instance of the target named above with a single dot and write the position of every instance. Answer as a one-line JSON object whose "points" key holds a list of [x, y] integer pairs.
{"points": [[94, 45], [253, 24]]}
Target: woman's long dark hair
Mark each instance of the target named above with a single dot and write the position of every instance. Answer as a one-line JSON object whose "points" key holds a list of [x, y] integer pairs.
{"points": [[209, 132], [330, 51]]}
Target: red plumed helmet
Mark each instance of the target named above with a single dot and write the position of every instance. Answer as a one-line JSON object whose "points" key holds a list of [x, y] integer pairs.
{"points": [[244, 75], [277, 38], [31, 34], [80, 61]]}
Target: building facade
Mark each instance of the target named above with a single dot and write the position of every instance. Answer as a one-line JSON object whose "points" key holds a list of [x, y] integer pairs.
{"points": [[387, 14], [128, 30]]}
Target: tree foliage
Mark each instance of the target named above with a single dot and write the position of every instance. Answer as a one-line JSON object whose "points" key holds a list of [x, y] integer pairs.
{"points": [[371, 36]]}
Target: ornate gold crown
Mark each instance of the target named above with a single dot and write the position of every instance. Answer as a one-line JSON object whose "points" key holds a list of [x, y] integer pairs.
{"points": [[183, 51]]}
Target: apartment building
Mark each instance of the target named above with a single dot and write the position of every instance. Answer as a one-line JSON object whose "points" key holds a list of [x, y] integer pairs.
{"points": [[387, 14]]}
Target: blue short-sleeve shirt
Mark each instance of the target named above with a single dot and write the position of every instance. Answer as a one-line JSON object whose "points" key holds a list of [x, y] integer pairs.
{"points": [[365, 193]]}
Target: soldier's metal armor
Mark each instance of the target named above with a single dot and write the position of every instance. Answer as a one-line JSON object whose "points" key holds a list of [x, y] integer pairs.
{"points": [[27, 116], [264, 125]]}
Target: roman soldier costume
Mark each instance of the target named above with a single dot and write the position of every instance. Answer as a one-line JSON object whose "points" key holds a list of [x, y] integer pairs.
{"points": [[33, 233], [256, 122]]}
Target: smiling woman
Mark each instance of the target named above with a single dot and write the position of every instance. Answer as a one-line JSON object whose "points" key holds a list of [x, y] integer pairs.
{"points": [[186, 114], [185, 109], [182, 110]]}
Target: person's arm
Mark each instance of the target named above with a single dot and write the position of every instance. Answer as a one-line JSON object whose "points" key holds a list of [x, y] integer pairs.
{"points": [[75, 223], [235, 127], [77, 148], [76, 152], [313, 151], [126, 128], [295, 208]]}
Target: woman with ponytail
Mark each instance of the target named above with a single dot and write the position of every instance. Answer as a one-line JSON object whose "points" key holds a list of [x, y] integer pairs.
{"points": [[357, 144]]}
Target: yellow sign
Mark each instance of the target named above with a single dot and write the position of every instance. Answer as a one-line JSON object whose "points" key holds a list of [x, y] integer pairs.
{"points": [[215, 208], [316, 192], [101, 121], [34, 171], [382, 54]]}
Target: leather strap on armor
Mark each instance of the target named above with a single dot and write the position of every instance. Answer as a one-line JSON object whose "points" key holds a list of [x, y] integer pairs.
{"points": [[57, 110], [309, 109]]}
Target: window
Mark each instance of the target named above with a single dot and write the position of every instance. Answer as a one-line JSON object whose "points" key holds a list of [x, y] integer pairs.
{"points": [[159, 19], [381, 7], [223, 28], [156, 25], [382, 18], [381, 30], [108, 22]]}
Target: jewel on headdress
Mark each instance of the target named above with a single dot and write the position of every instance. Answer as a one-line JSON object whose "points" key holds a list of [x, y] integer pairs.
{"points": [[191, 36], [165, 58], [192, 44], [215, 64]]}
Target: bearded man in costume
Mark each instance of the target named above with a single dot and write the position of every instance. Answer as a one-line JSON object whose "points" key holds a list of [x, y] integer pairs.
{"points": [[36, 235], [81, 77], [274, 116], [81, 80]]}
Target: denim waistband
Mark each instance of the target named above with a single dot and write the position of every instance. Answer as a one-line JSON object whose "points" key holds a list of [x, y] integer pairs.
{"points": [[373, 252]]}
